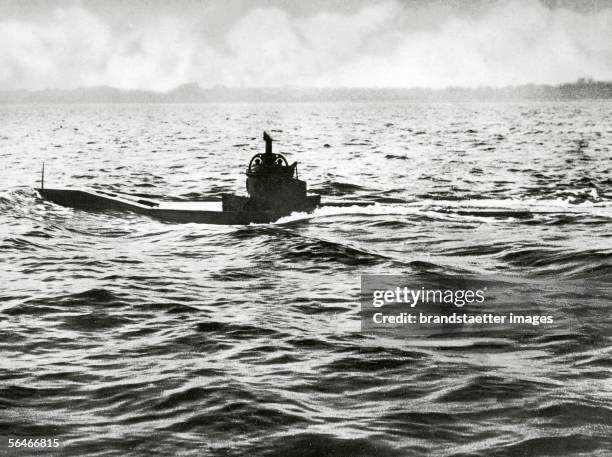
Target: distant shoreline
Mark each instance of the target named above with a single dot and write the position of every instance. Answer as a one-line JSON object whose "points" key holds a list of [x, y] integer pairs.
{"points": [[583, 89]]}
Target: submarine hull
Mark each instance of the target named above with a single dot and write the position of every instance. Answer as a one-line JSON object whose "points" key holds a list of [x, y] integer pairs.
{"points": [[239, 203], [177, 212]]}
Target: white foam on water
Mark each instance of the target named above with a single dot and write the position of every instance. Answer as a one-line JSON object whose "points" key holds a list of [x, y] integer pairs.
{"points": [[437, 209], [556, 206]]}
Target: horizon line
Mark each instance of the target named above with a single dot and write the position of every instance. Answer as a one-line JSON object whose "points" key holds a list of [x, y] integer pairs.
{"points": [[195, 84]]}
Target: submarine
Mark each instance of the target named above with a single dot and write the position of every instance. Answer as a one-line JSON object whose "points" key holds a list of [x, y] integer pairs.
{"points": [[273, 187]]}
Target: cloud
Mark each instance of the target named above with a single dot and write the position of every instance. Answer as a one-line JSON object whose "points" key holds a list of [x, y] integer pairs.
{"points": [[382, 45]]}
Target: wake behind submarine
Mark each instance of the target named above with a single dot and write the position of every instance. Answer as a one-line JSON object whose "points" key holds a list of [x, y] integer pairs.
{"points": [[274, 191]]}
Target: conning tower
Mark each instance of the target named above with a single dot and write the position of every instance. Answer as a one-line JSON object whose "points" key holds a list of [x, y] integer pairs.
{"points": [[272, 185]]}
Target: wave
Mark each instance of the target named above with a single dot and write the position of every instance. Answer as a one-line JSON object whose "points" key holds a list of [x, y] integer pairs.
{"points": [[587, 263], [311, 444], [100, 298]]}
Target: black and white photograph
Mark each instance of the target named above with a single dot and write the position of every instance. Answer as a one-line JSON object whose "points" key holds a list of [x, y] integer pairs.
{"points": [[317, 228]]}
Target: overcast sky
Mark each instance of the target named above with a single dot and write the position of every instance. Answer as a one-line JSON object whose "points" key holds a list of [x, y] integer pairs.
{"points": [[328, 43]]}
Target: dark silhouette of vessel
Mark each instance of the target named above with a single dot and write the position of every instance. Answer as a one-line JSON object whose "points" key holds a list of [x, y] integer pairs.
{"points": [[273, 187]]}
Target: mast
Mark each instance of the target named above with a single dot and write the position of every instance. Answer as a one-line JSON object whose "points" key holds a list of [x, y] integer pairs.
{"points": [[268, 139]]}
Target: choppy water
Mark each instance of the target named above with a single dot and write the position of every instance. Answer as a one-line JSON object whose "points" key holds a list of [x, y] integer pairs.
{"points": [[123, 335]]}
